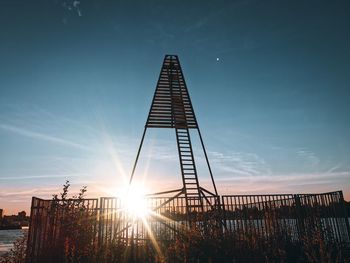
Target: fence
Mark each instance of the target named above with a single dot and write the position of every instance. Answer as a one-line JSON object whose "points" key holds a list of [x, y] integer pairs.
{"points": [[293, 216], [51, 221], [99, 223]]}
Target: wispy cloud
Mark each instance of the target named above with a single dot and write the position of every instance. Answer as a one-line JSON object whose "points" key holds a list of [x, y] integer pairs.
{"points": [[199, 24], [334, 168], [309, 157], [240, 164], [161, 149], [72, 5], [204, 20], [19, 194], [40, 124], [287, 183], [41, 136], [23, 177]]}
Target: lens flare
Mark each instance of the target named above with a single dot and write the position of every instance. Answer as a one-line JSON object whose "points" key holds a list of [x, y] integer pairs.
{"points": [[134, 202]]}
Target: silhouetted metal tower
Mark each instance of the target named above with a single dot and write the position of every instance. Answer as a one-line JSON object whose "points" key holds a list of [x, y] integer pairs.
{"points": [[172, 108]]}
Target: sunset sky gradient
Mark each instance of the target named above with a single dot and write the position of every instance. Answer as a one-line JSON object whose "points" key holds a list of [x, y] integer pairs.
{"points": [[269, 81]]}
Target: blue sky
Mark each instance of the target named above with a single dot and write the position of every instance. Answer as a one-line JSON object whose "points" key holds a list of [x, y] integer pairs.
{"points": [[77, 79]]}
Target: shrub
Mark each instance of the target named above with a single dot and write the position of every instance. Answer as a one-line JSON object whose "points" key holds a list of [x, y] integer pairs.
{"points": [[71, 231], [18, 253]]}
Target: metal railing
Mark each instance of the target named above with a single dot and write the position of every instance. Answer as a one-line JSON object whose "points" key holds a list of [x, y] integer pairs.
{"points": [[102, 222], [292, 216]]}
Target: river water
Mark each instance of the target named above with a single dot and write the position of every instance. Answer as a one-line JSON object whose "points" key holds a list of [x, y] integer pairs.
{"points": [[7, 237]]}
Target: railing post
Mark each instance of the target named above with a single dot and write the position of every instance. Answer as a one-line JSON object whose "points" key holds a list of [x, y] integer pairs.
{"points": [[222, 213], [345, 215], [219, 215], [299, 217], [30, 234]]}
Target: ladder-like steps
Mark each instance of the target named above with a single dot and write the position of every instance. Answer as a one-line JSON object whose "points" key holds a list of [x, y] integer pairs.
{"points": [[179, 100], [188, 170]]}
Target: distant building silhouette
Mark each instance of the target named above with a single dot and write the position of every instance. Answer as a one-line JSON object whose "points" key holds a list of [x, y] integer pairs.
{"points": [[13, 221], [21, 215]]}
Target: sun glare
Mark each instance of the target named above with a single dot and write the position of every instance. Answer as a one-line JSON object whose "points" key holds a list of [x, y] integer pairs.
{"points": [[134, 202]]}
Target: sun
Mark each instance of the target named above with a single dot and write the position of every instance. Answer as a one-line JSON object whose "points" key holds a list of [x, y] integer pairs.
{"points": [[134, 202]]}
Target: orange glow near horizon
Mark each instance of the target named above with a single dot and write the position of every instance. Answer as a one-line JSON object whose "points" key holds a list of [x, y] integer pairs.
{"points": [[12, 208]]}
